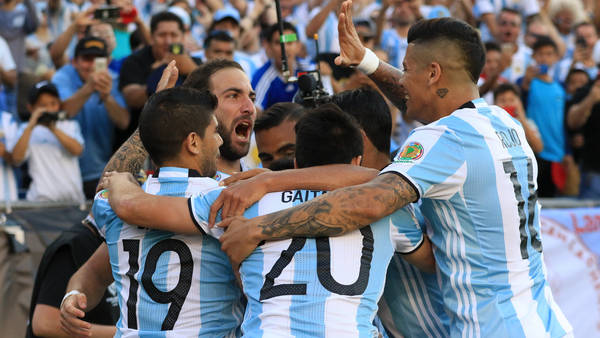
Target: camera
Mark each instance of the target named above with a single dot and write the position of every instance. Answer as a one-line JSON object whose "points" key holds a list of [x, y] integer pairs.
{"points": [[310, 90], [581, 42], [107, 13], [49, 117]]}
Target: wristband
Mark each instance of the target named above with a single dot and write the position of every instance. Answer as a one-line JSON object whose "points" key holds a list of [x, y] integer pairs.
{"points": [[70, 293], [369, 62]]}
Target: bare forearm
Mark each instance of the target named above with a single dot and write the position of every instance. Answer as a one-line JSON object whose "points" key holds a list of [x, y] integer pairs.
{"points": [[488, 85], [117, 114], [328, 177], [129, 157], [145, 33], [71, 145], [387, 77], [73, 104], [579, 113], [318, 20], [340, 211], [60, 44], [135, 95], [9, 78], [20, 149], [93, 277]]}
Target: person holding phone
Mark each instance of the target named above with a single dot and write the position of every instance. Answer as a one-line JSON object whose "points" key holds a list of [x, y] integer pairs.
{"points": [[89, 94]]}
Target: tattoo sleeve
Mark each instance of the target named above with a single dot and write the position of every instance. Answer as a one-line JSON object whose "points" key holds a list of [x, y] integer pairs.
{"points": [[129, 157], [340, 211], [387, 78]]}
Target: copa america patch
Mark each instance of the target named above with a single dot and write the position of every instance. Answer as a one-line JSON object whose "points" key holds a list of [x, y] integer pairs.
{"points": [[411, 152]]}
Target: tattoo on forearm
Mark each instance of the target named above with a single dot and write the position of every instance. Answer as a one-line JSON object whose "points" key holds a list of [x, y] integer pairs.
{"points": [[130, 157], [341, 211], [442, 92], [387, 79]]}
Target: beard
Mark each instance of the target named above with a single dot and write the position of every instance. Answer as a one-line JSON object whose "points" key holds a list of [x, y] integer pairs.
{"points": [[227, 150]]}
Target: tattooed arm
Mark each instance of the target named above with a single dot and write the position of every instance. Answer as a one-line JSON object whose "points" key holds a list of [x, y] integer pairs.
{"points": [[129, 158], [387, 78], [332, 214]]}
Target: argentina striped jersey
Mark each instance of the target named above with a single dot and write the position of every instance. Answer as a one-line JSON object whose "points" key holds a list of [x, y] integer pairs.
{"points": [[476, 176], [169, 285], [307, 287]]}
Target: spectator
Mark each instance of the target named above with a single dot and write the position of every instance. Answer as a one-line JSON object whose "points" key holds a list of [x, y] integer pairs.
{"points": [[508, 96], [564, 14], [8, 73], [584, 116], [61, 260], [491, 76], [219, 45], [323, 21], [91, 96], [393, 40], [58, 16], [51, 146], [576, 79], [276, 136], [587, 49], [486, 10], [270, 85], [509, 28], [8, 134], [16, 22], [546, 100]]}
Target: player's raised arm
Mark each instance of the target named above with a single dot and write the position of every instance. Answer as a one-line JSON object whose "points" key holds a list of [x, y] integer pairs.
{"points": [[234, 200], [332, 214], [134, 206], [354, 54]]}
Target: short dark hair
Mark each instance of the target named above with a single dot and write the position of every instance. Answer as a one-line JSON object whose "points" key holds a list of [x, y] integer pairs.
{"points": [[492, 45], [371, 112], [458, 32], [327, 135], [544, 41], [199, 78], [583, 23], [506, 87], [170, 116], [510, 10], [270, 31], [576, 71], [165, 16], [218, 35], [278, 113]]}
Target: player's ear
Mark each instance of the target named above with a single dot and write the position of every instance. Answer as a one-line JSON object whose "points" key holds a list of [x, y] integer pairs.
{"points": [[295, 164], [357, 160], [435, 72], [193, 143]]}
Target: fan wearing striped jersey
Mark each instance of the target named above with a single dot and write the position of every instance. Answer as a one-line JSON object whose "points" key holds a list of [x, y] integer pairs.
{"points": [[168, 284], [303, 287], [472, 169]]}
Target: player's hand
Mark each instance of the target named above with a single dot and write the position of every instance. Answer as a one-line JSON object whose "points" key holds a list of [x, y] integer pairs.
{"points": [[351, 49], [113, 179], [71, 310], [239, 240], [169, 77], [245, 189]]}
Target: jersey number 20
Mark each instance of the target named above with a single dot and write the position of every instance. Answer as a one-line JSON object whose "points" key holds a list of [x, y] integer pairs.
{"points": [[270, 290]]}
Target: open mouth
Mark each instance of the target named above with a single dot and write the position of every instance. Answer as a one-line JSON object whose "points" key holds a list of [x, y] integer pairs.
{"points": [[242, 130]]}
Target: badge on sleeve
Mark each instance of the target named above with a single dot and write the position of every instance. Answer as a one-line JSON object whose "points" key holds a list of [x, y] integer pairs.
{"points": [[411, 152]]}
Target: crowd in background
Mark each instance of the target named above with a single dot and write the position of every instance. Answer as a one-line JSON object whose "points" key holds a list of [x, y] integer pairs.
{"points": [[96, 72]]}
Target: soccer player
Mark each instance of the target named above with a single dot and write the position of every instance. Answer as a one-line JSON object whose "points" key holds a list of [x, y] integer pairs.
{"points": [[473, 171], [165, 282], [323, 286]]}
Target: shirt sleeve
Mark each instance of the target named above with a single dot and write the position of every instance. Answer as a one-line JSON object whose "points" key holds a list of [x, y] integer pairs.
{"points": [[432, 160], [102, 212], [199, 207], [6, 60], [60, 269], [131, 73], [406, 233]]}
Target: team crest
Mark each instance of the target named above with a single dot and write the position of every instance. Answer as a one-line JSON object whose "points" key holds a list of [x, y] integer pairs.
{"points": [[104, 194], [411, 152], [217, 177]]}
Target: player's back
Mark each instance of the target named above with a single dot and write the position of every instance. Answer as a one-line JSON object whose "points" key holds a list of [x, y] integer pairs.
{"points": [[170, 284], [485, 218], [307, 287]]}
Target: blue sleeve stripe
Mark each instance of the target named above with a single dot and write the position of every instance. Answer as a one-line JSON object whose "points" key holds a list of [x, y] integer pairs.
{"points": [[191, 210]]}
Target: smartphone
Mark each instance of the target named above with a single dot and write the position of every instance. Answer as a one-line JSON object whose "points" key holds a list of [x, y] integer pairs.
{"points": [[176, 49], [100, 64], [581, 42], [543, 69], [107, 13]]}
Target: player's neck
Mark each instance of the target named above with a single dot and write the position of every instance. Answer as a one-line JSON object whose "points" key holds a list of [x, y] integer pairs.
{"points": [[227, 166], [454, 98], [375, 160]]}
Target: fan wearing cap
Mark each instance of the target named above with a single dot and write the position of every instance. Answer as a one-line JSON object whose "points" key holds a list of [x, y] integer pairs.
{"points": [[90, 95], [51, 146]]}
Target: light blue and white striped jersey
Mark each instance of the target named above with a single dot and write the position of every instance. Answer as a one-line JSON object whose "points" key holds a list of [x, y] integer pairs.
{"points": [[412, 304], [394, 45], [476, 176], [307, 287], [170, 285]]}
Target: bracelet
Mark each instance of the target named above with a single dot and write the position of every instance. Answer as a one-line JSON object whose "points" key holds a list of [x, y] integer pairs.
{"points": [[369, 62], [70, 293]]}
